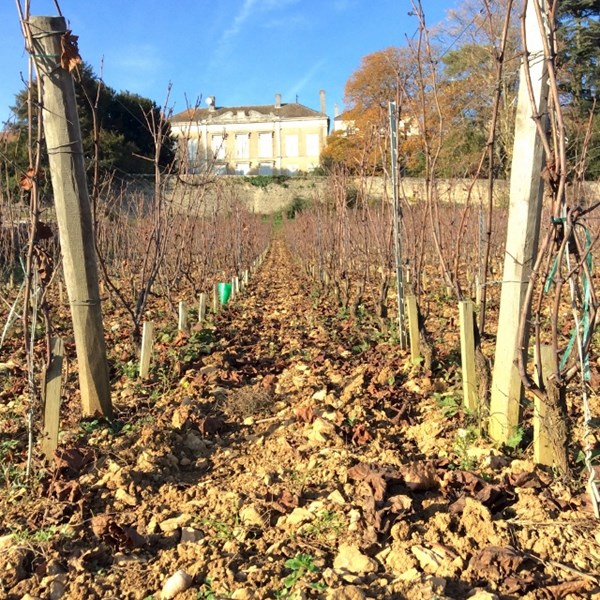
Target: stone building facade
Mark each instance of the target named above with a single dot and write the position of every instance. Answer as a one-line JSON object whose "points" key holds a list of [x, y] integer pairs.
{"points": [[278, 139]]}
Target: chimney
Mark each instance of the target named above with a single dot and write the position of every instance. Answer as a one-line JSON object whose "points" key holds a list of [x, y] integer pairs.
{"points": [[211, 103], [322, 94], [336, 110], [277, 100]]}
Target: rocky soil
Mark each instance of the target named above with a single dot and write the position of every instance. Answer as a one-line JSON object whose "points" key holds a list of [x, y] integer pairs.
{"points": [[285, 450]]}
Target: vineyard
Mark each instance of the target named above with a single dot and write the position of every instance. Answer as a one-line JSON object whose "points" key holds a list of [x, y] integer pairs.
{"points": [[358, 394], [285, 444]]}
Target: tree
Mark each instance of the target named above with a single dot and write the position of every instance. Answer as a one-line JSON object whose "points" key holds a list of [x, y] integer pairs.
{"points": [[383, 76], [579, 72], [126, 143], [468, 85]]}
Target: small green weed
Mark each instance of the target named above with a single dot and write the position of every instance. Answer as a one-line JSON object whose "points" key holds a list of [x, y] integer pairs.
{"points": [[129, 369], [448, 403], [300, 565], [206, 592], [10, 472], [41, 536], [514, 441], [326, 527], [464, 440]]}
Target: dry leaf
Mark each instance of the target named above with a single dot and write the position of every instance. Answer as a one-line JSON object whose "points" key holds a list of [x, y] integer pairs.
{"points": [[363, 472], [69, 57], [360, 435], [116, 535], [26, 181], [211, 424], [305, 414], [70, 461]]}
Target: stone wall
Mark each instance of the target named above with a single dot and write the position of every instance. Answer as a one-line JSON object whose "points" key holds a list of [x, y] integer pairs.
{"points": [[278, 196]]}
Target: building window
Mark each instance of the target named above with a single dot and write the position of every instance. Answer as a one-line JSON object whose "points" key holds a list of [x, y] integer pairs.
{"points": [[192, 149], [265, 145], [265, 168], [218, 146], [242, 145], [291, 145], [312, 144], [242, 168]]}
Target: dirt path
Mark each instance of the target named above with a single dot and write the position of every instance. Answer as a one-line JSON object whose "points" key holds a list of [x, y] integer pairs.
{"points": [[286, 453]]}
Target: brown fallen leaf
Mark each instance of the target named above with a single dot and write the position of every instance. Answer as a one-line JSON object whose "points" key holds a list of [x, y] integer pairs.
{"points": [[360, 435], [65, 491], [364, 472], [305, 414], [420, 476], [211, 424], [499, 563], [108, 530], [69, 462], [576, 586]]}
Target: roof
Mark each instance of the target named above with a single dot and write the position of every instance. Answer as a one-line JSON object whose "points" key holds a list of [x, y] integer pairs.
{"points": [[290, 110]]}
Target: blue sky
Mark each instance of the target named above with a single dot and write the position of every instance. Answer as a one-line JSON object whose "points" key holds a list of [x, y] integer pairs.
{"points": [[241, 51]]}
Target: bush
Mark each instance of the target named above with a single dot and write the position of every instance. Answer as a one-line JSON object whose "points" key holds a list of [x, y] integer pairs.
{"points": [[297, 205]]}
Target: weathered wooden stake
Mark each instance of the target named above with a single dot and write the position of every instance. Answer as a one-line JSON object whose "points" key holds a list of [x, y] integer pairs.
{"points": [[412, 313], [52, 399], [146, 352], [183, 318], [201, 307], [402, 333], [526, 187], [467, 352], [542, 447], [73, 213], [216, 303]]}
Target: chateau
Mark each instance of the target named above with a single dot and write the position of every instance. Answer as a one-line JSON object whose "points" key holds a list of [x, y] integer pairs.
{"points": [[278, 139]]}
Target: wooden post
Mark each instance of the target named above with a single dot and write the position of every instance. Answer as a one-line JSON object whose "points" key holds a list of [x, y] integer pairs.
{"points": [[201, 307], [542, 447], [52, 399], [467, 353], [526, 187], [216, 303], [146, 353], [402, 333], [183, 318], [413, 328], [73, 213]]}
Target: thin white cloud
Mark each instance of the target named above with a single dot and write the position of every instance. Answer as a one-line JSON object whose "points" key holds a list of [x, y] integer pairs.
{"points": [[248, 9], [238, 21], [344, 5], [134, 67], [288, 22], [299, 85]]}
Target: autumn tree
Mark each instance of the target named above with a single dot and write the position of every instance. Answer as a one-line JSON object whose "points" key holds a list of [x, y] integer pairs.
{"points": [[383, 76]]}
